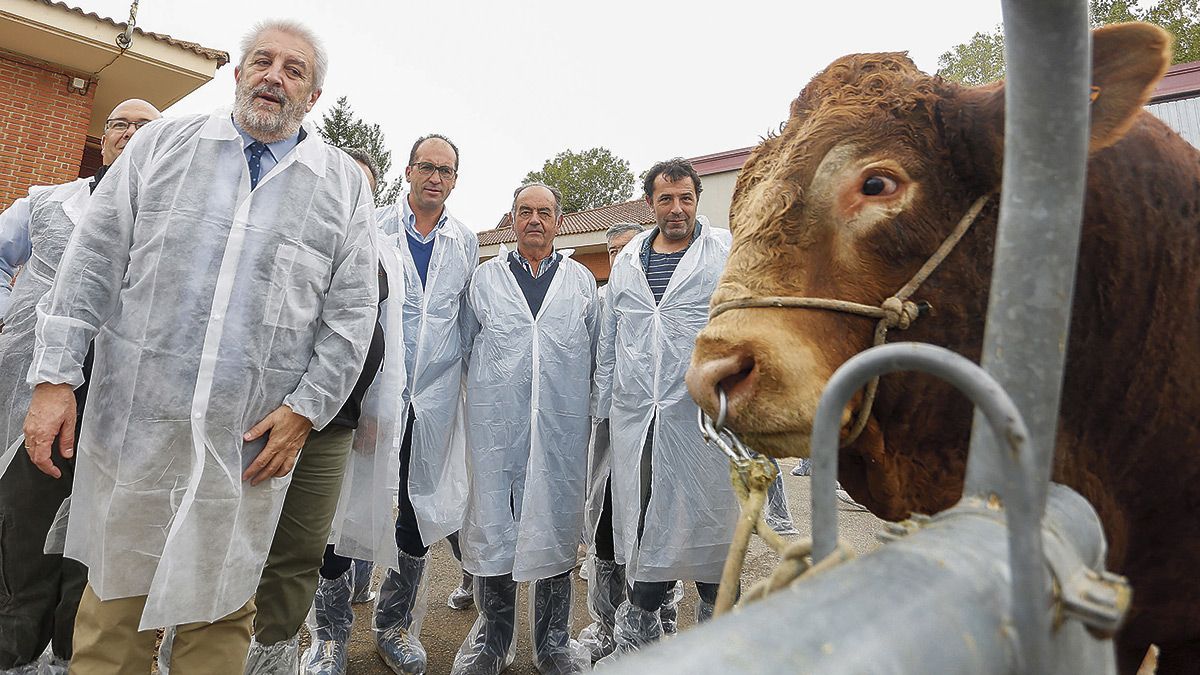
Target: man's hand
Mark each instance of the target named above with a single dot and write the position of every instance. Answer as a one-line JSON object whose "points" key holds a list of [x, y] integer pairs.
{"points": [[51, 415], [288, 433]]}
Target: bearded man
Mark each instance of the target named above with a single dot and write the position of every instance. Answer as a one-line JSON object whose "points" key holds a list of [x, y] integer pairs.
{"points": [[226, 269]]}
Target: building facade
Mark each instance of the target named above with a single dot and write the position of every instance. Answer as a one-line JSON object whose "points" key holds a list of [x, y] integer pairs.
{"points": [[62, 70]]}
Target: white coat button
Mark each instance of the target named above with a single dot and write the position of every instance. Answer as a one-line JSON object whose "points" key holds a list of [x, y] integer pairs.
{"points": [[197, 415], [217, 317]]}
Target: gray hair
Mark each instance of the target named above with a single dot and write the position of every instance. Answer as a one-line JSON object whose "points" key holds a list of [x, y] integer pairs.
{"points": [[361, 156], [558, 209], [297, 29], [620, 229]]}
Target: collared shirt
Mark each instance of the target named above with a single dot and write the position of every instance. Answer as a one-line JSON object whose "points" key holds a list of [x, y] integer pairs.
{"points": [[410, 221], [660, 267], [275, 151], [543, 265]]}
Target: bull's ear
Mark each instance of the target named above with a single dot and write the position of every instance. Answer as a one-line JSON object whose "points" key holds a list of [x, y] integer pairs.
{"points": [[1128, 59]]}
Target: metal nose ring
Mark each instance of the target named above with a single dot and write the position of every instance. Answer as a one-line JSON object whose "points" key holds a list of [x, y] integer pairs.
{"points": [[723, 408]]}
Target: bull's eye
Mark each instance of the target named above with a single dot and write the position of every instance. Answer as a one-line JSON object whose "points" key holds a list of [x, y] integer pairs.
{"points": [[878, 185]]}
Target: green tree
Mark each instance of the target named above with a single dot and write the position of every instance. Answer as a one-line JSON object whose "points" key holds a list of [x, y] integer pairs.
{"points": [[587, 179], [341, 128], [978, 61], [981, 59]]}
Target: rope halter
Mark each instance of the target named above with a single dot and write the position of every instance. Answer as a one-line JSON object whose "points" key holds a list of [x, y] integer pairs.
{"points": [[897, 311]]}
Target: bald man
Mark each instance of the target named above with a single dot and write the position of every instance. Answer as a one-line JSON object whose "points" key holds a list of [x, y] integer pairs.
{"points": [[40, 593]]}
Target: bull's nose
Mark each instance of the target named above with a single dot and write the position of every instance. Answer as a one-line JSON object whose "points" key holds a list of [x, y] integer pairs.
{"points": [[733, 372]]}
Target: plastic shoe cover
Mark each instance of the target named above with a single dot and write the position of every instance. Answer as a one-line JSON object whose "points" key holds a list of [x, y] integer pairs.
{"points": [[635, 628], [606, 592], [669, 611], [164, 650], [281, 658], [704, 611], [803, 468], [329, 624], [362, 582], [397, 619], [776, 513], [463, 597], [31, 668], [845, 498], [554, 652], [491, 646], [49, 664]]}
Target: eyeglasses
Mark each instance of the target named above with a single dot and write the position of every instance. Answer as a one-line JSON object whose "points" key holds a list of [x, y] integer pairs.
{"points": [[427, 169], [123, 125]]}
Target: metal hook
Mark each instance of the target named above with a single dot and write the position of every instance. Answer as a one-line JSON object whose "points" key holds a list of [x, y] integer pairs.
{"points": [[723, 402]]}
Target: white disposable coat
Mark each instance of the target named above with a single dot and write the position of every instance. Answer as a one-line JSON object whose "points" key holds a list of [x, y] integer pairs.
{"points": [[364, 525], [599, 461], [435, 354], [528, 395], [47, 219], [210, 305], [644, 351]]}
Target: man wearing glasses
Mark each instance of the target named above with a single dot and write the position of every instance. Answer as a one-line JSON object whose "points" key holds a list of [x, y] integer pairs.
{"points": [[439, 254], [41, 594]]}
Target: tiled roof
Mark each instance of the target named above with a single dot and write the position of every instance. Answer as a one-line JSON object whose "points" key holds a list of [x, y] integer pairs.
{"points": [[592, 220], [719, 162], [212, 54]]}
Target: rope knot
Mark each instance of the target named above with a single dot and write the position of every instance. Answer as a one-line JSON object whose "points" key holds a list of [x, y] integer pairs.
{"points": [[900, 313]]}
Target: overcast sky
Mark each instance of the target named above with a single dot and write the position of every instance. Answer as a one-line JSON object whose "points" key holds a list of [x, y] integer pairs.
{"points": [[515, 83]]}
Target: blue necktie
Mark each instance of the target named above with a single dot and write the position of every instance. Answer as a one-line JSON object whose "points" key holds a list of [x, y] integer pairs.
{"points": [[257, 148]]}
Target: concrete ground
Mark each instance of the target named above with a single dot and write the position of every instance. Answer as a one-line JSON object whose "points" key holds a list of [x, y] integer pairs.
{"points": [[444, 629]]}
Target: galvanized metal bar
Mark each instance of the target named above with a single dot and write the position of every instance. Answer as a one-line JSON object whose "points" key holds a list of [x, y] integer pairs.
{"points": [[1048, 54], [1048, 57], [933, 601], [1017, 466]]}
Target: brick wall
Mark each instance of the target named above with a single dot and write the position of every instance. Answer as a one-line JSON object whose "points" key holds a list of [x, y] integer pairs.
{"points": [[43, 126], [597, 263]]}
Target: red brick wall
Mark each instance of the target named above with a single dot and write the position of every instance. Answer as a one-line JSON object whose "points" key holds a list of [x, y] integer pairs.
{"points": [[42, 127], [597, 263]]}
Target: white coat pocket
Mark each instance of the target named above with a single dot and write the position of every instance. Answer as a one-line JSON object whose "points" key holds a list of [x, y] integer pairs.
{"points": [[298, 279]]}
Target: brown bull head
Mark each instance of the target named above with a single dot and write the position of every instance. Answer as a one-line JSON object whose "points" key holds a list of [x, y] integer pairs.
{"points": [[875, 166]]}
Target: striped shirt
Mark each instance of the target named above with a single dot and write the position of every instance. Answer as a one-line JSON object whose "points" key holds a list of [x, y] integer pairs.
{"points": [[659, 269], [661, 266]]}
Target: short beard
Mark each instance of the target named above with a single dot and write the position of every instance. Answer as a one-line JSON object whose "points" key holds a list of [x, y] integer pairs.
{"points": [[684, 235], [265, 126]]}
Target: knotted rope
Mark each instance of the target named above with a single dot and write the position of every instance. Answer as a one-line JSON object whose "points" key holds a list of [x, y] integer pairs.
{"points": [[751, 478]]}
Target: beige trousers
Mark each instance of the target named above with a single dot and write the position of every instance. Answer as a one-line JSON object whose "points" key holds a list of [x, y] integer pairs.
{"points": [[107, 641]]}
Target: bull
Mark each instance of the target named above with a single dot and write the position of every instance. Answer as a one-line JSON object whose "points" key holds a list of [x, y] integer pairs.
{"points": [[871, 174]]}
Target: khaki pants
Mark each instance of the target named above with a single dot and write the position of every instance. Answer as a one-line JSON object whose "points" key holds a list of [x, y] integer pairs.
{"points": [[107, 640], [289, 579]]}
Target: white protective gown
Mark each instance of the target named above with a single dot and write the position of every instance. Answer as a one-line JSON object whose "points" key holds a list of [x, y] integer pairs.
{"points": [[364, 525], [528, 396], [644, 351], [435, 354], [599, 461], [50, 215], [210, 305]]}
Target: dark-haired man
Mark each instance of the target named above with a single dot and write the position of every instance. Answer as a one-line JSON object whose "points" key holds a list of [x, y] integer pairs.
{"points": [[438, 254], [673, 507]]}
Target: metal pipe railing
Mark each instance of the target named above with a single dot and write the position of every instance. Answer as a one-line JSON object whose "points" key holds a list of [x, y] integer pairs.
{"points": [[1048, 54], [1014, 463]]}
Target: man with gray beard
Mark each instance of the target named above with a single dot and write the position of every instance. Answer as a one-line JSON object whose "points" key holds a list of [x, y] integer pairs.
{"points": [[226, 269]]}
